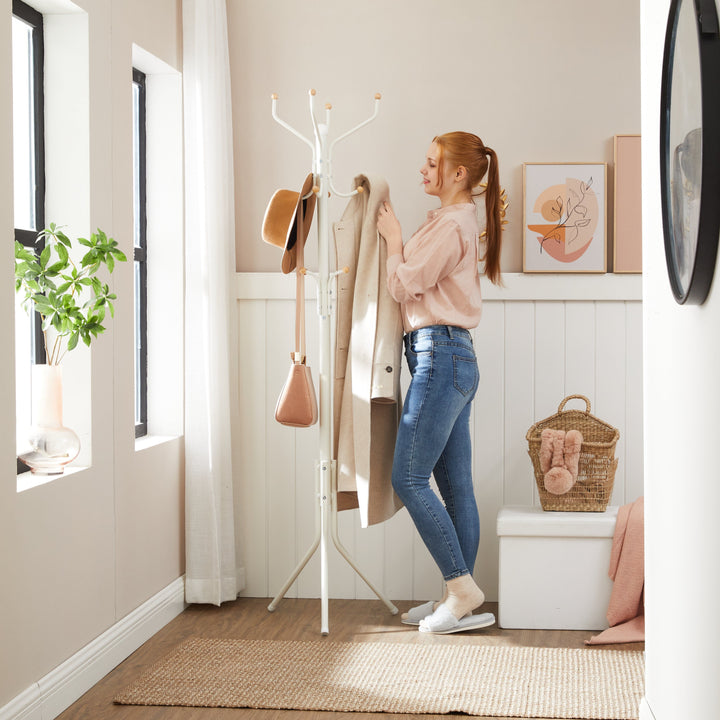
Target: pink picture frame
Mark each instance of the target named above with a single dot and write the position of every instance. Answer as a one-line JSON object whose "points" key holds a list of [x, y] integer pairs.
{"points": [[627, 235]]}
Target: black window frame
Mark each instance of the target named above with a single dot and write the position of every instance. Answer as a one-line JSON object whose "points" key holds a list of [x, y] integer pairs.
{"points": [[26, 237], [140, 251]]}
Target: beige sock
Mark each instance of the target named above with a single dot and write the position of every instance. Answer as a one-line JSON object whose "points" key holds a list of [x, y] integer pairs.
{"points": [[463, 596], [404, 616]]}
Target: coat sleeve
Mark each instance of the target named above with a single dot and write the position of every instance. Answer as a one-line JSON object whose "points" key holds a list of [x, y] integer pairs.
{"points": [[424, 262]]}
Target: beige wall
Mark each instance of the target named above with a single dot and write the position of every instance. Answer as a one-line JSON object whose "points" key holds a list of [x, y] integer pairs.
{"points": [[538, 81], [81, 552]]}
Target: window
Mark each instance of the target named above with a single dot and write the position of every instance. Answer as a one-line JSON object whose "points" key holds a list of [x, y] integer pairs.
{"points": [[140, 251], [159, 187], [29, 183]]}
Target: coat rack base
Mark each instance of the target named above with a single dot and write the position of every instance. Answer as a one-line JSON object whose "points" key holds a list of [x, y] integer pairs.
{"points": [[327, 529]]}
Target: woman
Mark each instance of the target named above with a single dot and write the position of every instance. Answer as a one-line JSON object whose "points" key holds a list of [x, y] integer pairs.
{"points": [[435, 279]]}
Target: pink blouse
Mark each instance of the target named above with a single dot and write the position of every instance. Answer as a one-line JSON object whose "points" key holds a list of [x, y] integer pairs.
{"points": [[436, 278]]}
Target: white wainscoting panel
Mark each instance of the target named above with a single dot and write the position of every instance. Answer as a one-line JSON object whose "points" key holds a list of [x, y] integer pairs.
{"points": [[541, 338]]}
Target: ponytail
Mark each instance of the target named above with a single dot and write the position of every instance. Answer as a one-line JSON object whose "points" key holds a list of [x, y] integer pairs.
{"points": [[493, 228], [468, 150]]}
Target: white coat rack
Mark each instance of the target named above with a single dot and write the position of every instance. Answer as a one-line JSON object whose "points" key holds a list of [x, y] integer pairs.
{"points": [[326, 465]]}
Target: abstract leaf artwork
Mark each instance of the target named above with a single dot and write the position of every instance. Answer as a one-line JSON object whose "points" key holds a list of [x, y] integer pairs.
{"points": [[564, 223]]}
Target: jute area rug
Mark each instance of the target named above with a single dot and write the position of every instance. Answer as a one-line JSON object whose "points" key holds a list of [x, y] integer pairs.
{"points": [[494, 681]]}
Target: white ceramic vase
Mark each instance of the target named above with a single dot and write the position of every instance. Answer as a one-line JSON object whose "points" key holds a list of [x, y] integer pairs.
{"points": [[52, 445]]}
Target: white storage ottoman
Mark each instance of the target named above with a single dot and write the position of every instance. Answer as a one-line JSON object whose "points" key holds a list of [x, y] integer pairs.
{"points": [[554, 568]]}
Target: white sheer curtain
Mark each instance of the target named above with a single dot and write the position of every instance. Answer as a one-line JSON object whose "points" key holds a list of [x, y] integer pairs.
{"points": [[212, 575]]}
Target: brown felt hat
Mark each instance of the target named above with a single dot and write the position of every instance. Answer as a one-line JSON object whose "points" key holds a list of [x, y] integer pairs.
{"points": [[280, 225]]}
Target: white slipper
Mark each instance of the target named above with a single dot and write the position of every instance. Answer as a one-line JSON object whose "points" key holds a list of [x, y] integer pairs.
{"points": [[443, 622], [416, 614]]}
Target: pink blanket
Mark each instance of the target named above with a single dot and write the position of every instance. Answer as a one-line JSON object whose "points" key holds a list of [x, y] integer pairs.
{"points": [[626, 610]]}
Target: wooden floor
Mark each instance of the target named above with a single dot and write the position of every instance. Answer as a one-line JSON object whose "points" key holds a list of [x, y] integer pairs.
{"points": [[349, 620]]}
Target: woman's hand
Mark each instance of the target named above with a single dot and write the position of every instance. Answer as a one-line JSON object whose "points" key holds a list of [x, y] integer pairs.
{"points": [[389, 227]]}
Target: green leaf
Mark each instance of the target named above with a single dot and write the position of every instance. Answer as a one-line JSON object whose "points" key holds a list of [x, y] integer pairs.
{"points": [[85, 242], [89, 258], [73, 341], [110, 262], [22, 253], [62, 253], [41, 301], [45, 256]]}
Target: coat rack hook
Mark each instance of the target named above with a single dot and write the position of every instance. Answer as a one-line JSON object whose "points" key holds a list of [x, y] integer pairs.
{"points": [[362, 124], [274, 98], [345, 195]]}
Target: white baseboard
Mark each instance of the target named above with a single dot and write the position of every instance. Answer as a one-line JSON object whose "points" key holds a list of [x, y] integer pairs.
{"points": [[61, 687], [645, 711]]}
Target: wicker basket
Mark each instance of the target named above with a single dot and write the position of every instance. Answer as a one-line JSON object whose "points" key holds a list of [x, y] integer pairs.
{"points": [[596, 472]]}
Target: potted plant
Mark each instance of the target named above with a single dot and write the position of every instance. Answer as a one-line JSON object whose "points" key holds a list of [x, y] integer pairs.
{"points": [[72, 302]]}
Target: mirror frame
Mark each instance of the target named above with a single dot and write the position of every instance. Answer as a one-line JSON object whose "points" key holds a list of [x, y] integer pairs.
{"points": [[708, 229]]}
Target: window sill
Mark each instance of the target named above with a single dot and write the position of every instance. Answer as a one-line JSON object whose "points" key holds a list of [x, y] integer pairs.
{"points": [[148, 441], [28, 480]]}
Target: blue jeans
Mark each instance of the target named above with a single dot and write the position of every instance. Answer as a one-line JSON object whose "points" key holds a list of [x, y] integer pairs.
{"points": [[434, 437]]}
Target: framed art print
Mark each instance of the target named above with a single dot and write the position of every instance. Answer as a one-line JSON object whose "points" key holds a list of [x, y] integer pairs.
{"points": [[627, 237], [564, 217]]}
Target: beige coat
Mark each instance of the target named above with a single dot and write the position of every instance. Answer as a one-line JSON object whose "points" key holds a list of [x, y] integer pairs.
{"points": [[367, 360]]}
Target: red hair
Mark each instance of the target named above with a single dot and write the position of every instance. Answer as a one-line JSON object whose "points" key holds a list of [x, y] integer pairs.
{"points": [[468, 150]]}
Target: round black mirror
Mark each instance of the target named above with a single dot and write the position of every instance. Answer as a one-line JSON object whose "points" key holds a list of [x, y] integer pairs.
{"points": [[690, 147]]}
